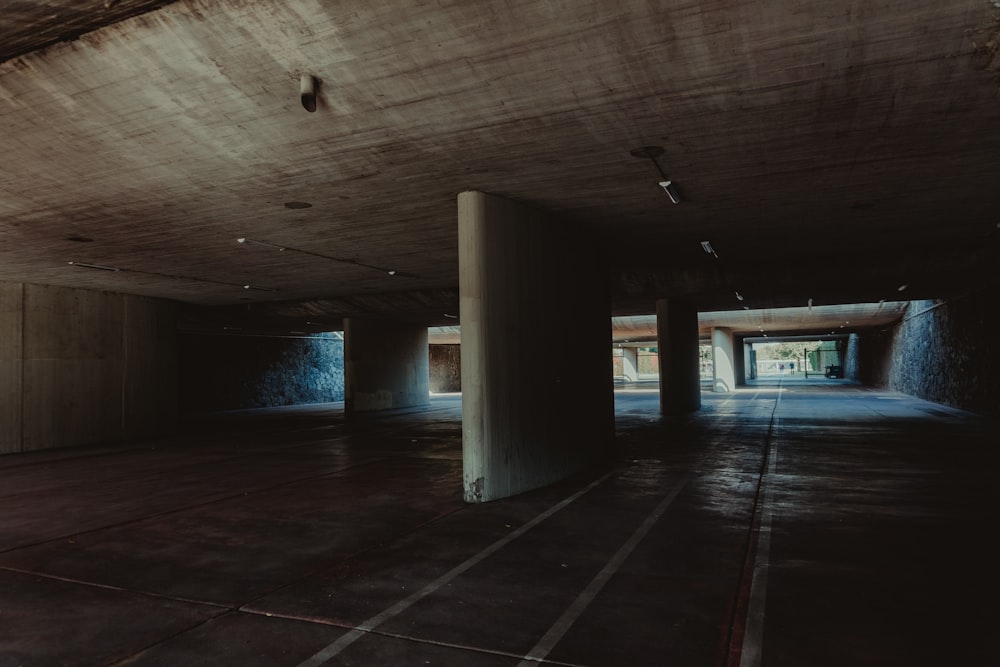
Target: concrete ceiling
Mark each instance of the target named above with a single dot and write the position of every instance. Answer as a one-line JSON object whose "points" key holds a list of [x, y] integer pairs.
{"points": [[831, 152]]}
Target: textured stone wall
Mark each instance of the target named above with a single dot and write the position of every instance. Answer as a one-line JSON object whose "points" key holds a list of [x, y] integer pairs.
{"points": [[852, 370], [940, 351], [446, 368], [237, 372]]}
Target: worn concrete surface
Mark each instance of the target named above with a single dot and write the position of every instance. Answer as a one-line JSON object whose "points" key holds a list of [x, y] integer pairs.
{"points": [[813, 523]]}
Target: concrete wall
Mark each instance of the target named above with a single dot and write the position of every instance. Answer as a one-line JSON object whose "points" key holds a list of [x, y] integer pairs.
{"points": [[80, 367], [940, 351], [445, 368], [11, 365], [385, 365], [228, 372]]}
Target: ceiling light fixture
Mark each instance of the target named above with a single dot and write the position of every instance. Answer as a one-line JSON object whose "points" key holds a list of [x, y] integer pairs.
{"points": [[651, 153], [668, 187], [308, 85], [739, 297], [707, 247], [902, 287], [343, 260]]}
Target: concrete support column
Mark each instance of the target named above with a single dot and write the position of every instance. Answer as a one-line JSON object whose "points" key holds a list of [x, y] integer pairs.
{"points": [[723, 360], [677, 340], [739, 361], [748, 363], [385, 365], [537, 400], [630, 363]]}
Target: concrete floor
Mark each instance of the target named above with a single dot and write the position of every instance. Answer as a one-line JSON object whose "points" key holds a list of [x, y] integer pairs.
{"points": [[813, 523]]}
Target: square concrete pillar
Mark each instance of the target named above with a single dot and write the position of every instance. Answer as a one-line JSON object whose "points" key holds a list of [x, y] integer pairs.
{"points": [[630, 363], [537, 390], [723, 360], [385, 365], [680, 377]]}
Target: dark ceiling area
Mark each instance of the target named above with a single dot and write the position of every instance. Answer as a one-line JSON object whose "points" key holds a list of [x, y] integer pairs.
{"points": [[828, 153]]}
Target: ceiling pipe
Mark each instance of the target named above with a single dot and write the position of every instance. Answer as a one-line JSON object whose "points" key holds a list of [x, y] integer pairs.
{"points": [[651, 153]]}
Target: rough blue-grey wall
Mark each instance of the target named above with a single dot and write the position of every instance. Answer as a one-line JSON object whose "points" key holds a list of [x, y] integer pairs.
{"points": [[852, 369], [237, 372], [940, 351]]}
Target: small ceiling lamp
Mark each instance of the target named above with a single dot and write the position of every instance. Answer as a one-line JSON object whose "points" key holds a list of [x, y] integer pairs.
{"points": [[668, 187], [308, 85]]}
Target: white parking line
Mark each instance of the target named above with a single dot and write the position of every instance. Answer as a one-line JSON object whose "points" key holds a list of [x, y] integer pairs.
{"points": [[753, 636], [573, 612], [369, 625]]}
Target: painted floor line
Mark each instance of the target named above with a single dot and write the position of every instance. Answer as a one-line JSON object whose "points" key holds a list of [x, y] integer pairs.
{"points": [[576, 609], [369, 625], [752, 649]]}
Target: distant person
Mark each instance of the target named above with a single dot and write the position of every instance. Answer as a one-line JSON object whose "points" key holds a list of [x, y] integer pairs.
{"points": [[781, 368], [791, 366]]}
